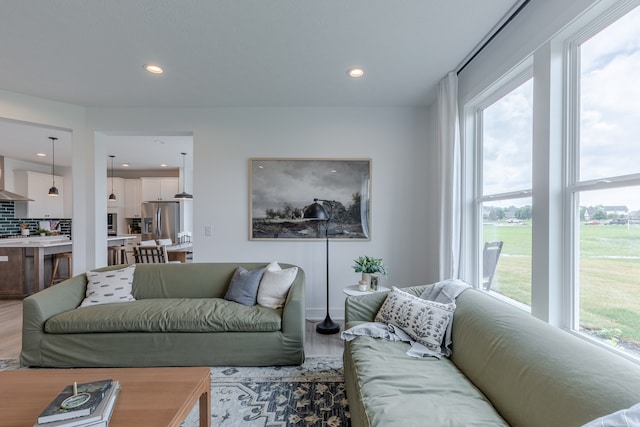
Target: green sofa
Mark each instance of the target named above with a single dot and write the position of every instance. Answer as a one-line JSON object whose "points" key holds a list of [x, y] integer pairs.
{"points": [[179, 318], [507, 368]]}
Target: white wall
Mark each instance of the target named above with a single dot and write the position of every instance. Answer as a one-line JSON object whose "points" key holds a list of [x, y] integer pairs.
{"points": [[226, 138], [25, 108]]}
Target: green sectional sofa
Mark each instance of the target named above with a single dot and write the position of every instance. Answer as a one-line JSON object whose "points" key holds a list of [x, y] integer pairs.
{"points": [[507, 368], [179, 318]]}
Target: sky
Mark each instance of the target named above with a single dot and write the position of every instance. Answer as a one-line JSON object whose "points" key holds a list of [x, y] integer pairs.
{"points": [[609, 120], [298, 182]]}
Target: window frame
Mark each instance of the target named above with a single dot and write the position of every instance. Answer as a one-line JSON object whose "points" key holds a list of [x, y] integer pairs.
{"points": [[573, 186], [474, 123]]}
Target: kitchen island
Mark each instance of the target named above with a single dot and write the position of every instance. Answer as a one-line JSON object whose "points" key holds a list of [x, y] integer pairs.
{"points": [[26, 262]]}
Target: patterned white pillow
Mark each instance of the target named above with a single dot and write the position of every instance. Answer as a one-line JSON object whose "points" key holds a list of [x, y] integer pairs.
{"points": [[104, 287], [424, 321]]}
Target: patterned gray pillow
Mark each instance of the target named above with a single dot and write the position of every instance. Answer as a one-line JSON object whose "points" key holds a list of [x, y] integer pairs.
{"points": [[104, 287], [424, 321]]}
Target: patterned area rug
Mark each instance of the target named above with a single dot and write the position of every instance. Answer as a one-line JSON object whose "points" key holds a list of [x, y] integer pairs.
{"points": [[309, 395]]}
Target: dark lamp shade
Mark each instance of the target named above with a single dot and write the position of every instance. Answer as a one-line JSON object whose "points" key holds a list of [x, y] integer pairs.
{"points": [[316, 211], [112, 197], [53, 191], [183, 196]]}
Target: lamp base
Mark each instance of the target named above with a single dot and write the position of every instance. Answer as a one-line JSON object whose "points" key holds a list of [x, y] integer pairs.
{"points": [[328, 326]]}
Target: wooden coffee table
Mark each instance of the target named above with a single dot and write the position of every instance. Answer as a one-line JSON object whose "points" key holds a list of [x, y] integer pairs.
{"points": [[149, 396]]}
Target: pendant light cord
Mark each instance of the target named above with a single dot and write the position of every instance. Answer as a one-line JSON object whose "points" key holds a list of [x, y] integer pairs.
{"points": [[53, 159]]}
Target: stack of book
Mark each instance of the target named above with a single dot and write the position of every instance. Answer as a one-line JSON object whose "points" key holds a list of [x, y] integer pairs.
{"points": [[81, 405]]}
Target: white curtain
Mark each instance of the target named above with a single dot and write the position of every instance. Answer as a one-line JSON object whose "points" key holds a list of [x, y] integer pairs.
{"points": [[449, 154]]}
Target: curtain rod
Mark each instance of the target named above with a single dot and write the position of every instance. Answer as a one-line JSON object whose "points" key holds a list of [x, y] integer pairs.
{"points": [[495, 33]]}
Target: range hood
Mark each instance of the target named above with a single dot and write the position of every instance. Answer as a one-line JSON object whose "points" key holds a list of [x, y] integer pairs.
{"points": [[8, 195]]}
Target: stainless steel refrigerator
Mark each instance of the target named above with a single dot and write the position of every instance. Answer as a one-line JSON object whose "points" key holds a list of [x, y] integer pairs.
{"points": [[160, 220]]}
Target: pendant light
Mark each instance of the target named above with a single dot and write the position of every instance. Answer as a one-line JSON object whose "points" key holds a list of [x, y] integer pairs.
{"points": [[184, 195], [53, 191], [112, 196]]}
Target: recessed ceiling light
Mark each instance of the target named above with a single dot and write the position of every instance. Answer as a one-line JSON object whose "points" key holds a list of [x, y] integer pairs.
{"points": [[164, 165], [155, 69], [41, 155], [125, 165], [355, 72]]}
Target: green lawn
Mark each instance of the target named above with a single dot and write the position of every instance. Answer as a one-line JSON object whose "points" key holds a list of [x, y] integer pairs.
{"points": [[609, 275]]}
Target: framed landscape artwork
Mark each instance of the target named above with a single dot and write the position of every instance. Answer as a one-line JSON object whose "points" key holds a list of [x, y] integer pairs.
{"points": [[280, 190]]}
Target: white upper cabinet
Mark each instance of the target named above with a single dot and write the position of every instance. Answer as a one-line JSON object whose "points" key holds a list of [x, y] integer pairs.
{"points": [[132, 198], [154, 189], [36, 186]]}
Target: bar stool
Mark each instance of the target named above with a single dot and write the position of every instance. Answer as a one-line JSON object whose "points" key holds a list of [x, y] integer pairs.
{"points": [[55, 279], [117, 255]]}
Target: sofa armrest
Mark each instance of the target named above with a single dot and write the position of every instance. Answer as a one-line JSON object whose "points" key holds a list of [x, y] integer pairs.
{"points": [[39, 307], [363, 308], [293, 315]]}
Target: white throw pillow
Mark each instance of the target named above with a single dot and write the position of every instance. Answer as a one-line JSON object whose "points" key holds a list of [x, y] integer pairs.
{"points": [[424, 321], [104, 287], [275, 285]]}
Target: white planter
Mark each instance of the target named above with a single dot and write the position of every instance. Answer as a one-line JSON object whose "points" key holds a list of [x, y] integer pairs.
{"points": [[24, 231], [366, 278]]}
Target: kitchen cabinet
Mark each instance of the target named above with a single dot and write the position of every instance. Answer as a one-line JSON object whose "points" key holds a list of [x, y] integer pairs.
{"points": [[35, 185], [12, 283], [117, 187], [164, 188], [132, 198]]}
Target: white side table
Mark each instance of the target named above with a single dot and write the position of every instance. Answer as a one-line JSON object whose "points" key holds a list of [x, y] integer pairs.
{"points": [[353, 290]]}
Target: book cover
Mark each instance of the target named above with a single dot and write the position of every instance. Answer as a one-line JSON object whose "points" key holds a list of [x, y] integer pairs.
{"points": [[70, 403], [108, 411], [99, 417]]}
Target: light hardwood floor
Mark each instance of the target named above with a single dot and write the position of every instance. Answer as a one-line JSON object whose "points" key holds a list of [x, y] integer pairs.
{"points": [[11, 334]]}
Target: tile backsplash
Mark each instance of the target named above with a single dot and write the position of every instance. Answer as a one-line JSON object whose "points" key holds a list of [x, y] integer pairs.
{"points": [[10, 226]]}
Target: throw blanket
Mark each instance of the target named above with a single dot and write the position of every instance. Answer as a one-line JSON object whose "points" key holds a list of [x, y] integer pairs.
{"points": [[623, 418], [443, 292]]}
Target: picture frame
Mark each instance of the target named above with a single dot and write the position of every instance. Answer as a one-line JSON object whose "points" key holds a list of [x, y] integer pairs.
{"points": [[281, 189]]}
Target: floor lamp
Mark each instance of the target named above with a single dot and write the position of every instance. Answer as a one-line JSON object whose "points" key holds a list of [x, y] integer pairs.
{"points": [[317, 212]]}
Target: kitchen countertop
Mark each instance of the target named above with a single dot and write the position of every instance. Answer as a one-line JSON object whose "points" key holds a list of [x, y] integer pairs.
{"points": [[35, 242], [50, 241]]}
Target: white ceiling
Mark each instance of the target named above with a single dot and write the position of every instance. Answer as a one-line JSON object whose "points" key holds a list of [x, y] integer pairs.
{"points": [[219, 53], [22, 141]]}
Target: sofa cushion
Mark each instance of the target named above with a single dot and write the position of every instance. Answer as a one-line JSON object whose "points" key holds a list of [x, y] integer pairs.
{"points": [[105, 287], [243, 287], [423, 320], [166, 315], [275, 285], [388, 388]]}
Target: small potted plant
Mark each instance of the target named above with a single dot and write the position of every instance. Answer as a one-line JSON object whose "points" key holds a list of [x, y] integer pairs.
{"points": [[24, 229], [367, 266]]}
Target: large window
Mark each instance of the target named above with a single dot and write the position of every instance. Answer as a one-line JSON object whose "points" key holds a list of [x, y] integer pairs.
{"points": [[504, 130], [604, 183]]}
